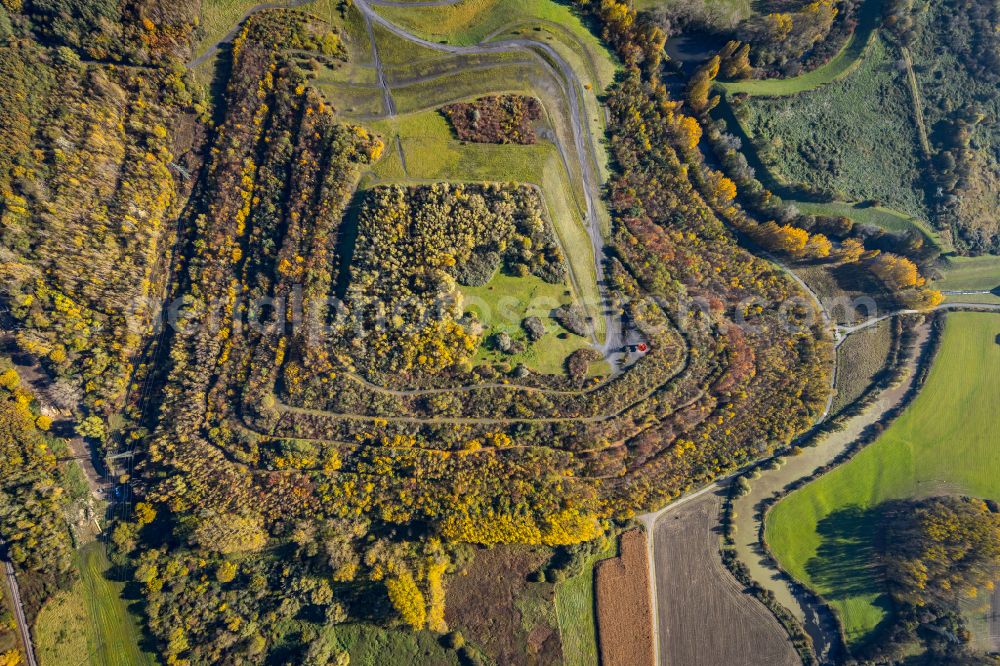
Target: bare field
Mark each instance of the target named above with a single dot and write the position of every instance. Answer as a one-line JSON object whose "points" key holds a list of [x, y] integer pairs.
{"points": [[705, 617], [509, 619], [624, 612]]}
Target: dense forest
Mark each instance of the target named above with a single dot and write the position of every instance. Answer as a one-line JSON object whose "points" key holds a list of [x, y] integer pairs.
{"points": [[935, 554], [324, 443]]}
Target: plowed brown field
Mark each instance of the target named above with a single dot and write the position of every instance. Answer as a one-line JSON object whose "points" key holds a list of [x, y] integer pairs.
{"points": [[705, 617], [624, 608]]}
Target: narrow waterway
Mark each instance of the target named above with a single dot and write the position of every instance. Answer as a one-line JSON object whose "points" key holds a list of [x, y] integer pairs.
{"points": [[817, 619]]}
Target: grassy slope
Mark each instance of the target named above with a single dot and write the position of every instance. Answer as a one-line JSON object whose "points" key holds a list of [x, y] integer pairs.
{"points": [[842, 64], [472, 21], [576, 612], [60, 632], [547, 21], [948, 441]]}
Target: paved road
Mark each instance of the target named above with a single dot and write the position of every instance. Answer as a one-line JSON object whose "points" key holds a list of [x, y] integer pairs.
{"points": [[847, 330], [20, 619]]}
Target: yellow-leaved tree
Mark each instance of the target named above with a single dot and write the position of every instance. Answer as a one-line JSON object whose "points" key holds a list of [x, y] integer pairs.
{"points": [[407, 599]]}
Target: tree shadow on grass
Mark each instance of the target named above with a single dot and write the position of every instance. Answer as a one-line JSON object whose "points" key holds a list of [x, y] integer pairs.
{"points": [[848, 561]]}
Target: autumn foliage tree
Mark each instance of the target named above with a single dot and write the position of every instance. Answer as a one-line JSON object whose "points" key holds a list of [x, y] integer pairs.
{"points": [[700, 86]]}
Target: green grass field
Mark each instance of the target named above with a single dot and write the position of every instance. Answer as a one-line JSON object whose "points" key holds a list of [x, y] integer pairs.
{"points": [[854, 138], [90, 623], [576, 612], [877, 216], [504, 301], [114, 631], [842, 64], [947, 441]]}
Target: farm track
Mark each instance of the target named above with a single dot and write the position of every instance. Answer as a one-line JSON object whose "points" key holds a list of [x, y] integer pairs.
{"points": [[844, 331]]}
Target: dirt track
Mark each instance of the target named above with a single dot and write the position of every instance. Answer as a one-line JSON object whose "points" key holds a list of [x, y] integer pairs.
{"points": [[705, 618]]}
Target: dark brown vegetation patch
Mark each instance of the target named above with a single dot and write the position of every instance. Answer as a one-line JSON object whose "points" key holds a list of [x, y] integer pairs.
{"points": [[624, 609], [495, 119], [500, 612]]}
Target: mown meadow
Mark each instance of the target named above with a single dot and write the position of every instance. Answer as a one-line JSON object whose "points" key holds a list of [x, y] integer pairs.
{"points": [[946, 442]]}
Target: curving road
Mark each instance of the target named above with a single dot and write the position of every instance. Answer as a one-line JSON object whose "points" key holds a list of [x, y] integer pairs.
{"points": [[583, 142], [844, 331]]}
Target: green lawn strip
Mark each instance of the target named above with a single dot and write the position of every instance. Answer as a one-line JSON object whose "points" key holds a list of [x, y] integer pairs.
{"points": [[878, 216], [505, 301], [970, 273], [946, 442], [115, 632], [576, 612], [842, 64], [61, 629], [432, 154]]}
